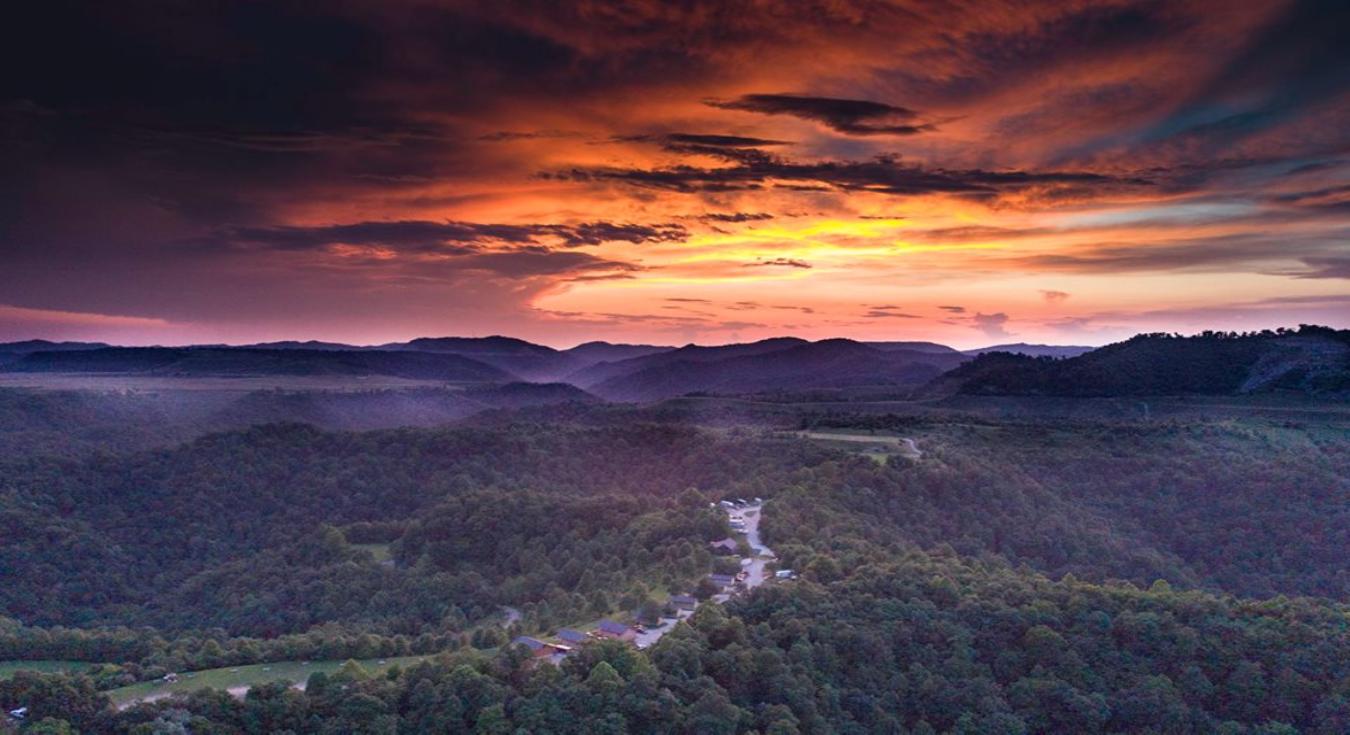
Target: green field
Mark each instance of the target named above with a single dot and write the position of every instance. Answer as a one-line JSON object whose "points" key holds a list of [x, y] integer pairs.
{"points": [[7, 668], [236, 679], [879, 446], [379, 551]]}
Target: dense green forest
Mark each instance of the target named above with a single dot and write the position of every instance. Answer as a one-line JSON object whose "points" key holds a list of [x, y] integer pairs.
{"points": [[1023, 576], [1311, 359], [242, 530]]}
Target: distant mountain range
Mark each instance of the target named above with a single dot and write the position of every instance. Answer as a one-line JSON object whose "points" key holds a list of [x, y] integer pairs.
{"points": [[1311, 359], [776, 365], [525, 360], [235, 361], [14, 351]]}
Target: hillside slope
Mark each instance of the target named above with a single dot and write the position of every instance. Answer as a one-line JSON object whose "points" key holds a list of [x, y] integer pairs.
{"points": [[836, 363], [690, 353], [1311, 360]]}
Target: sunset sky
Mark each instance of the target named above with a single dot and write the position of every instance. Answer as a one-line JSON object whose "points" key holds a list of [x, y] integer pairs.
{"points": [[964, 172]]}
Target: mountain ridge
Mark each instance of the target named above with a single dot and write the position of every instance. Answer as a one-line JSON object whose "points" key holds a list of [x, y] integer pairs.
{"points": [[1314, 360]]}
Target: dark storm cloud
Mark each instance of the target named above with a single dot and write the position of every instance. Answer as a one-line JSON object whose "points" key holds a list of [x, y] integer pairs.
{"points": [[1288, 66], [736, 217], [506, 136], [535, 262], [735, 148], [456, 265], [681, 141], [443, 236], [1331, 266], [883, 175], [722, 141], [852, 117], [1208, 253], [1332, 199], [979, 232], [780, 262]]}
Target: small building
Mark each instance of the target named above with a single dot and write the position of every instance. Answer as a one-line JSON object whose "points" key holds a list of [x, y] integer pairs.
{"points": [[19, 714], [572, 637], [785, 574], [725, 546], [615, 631], [536, 646], [169, 678], [684, 602], [722, 580]]}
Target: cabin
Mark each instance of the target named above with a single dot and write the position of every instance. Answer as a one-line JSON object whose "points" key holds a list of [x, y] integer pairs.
{"points": [[722, 580], [724, 547], [785, 574], [572, 637], [684, 602], [169, 678], [615, 631], [536, 646], [19, 714]]}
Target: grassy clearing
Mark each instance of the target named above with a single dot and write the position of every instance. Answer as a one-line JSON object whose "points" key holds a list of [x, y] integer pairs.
{"points": [[8, 668], [238, 678], [878, 446], [379, 551]]}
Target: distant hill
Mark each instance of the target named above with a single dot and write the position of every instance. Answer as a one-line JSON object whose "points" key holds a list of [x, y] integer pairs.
{"points": [[312, 344], [592, 353], [1022, 348], [515, 356], [230, 361], [1311, 360], [930, 347], [12, 351], [690, 353], [775, 366]]}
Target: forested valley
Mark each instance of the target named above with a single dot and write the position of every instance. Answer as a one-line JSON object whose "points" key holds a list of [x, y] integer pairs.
{"points": [[1023, 576]]}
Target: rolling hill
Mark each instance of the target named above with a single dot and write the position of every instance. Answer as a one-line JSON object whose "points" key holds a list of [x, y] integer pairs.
{"points": [[793, 366], [14, 351], [1313, 360], [690, 353], [237, 361], [929, 347]]}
